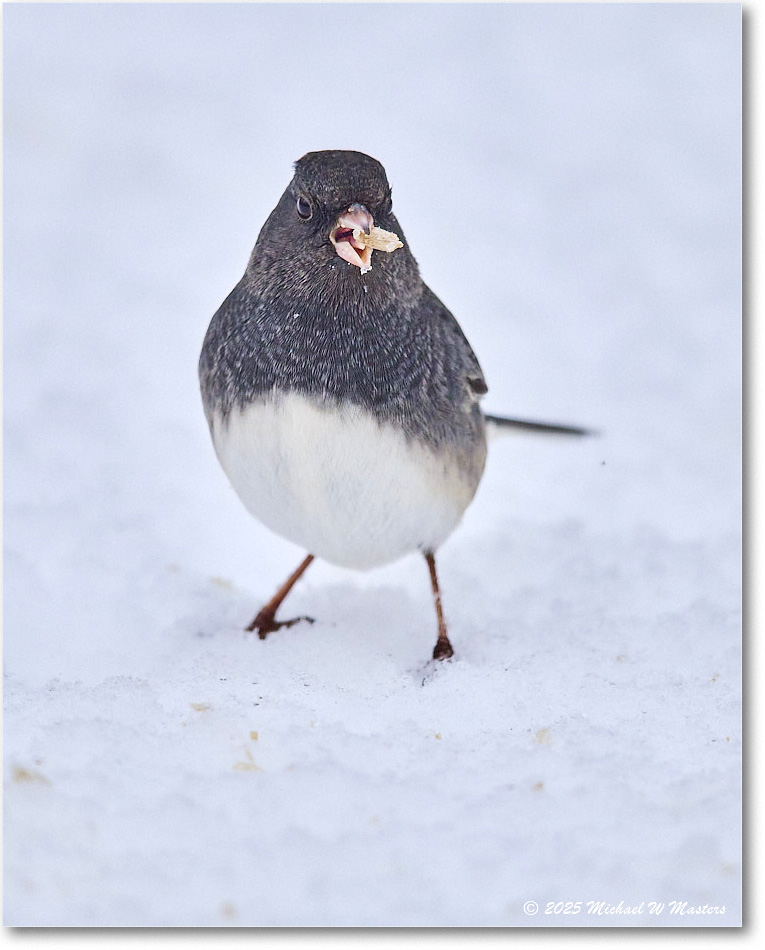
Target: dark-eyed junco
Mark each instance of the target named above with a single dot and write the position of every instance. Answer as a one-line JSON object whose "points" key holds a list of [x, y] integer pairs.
{"points": [[341, 394]]}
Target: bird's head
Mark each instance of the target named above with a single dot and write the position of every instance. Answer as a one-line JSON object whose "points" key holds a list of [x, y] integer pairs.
{"points": [[332, 194]]}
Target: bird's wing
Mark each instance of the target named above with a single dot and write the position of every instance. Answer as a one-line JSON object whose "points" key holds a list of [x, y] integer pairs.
{"points": [[462, 353]]}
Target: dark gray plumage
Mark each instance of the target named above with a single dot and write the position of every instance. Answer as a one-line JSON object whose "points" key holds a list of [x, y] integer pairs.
{"points": [[301, 319]]}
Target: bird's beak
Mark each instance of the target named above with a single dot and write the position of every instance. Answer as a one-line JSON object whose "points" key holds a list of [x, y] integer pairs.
{"points": [[349, 248]]}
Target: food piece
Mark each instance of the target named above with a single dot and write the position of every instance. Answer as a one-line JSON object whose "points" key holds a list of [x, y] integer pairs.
{"points": [[378, 239]]}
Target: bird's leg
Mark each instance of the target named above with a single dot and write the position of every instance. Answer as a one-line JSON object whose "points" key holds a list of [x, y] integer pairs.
{"points": [[266, 621], [443, 649]]}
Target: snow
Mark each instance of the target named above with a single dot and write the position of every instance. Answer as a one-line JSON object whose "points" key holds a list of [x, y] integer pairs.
{"points": [[164, 769]]}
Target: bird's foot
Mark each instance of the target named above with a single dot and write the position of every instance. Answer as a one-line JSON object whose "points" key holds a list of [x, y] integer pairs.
{"points": [[265, 622], [443, 649]]}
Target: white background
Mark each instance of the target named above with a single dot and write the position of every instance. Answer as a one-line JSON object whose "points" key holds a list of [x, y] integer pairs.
{"points": [[568, 178]]}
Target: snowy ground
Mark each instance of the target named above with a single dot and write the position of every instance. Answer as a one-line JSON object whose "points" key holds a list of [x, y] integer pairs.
{"points": [[164, 769]]}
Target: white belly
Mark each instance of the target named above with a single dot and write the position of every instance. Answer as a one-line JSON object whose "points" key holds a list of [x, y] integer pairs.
{"points": [[342, 486]]}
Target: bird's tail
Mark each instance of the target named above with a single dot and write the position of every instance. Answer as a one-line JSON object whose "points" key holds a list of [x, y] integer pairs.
{"points": [[499, 423]]}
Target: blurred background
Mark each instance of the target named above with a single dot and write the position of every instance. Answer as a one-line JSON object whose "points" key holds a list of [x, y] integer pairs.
{"points": [[569, 179], [567, 175]]}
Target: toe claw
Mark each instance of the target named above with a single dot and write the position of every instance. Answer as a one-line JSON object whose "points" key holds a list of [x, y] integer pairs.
{"points": [[442, 650], [266, 623]]}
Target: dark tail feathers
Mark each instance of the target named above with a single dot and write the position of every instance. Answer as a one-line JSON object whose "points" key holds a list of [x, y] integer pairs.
{"points": [[503, 422]]}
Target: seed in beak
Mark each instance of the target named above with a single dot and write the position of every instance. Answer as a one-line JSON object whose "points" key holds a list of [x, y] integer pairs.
{"points": [[378, 239]]}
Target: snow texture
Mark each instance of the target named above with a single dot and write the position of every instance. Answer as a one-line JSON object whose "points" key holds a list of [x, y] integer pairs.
{"points": [[163, 768]]}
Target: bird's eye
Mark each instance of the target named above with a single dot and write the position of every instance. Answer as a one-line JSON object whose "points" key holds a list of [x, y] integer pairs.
{"points": [[304, 209]]}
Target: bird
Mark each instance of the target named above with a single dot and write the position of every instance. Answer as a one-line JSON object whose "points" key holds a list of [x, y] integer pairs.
{"points": [[342, 397]]}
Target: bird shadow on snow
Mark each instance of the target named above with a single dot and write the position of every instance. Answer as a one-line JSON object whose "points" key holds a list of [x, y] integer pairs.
{"points": [[519, 596], [358, 628], [351, 623]]}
